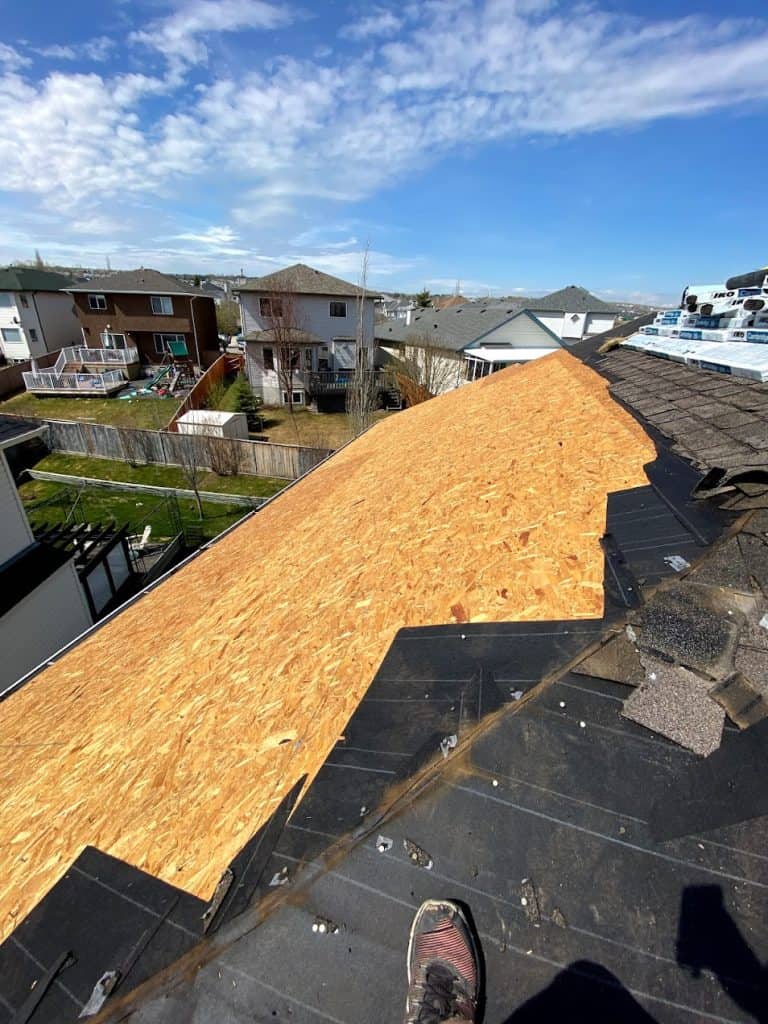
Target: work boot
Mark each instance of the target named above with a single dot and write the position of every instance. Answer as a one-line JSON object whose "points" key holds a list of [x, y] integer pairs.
{"points": [[442, 966]]}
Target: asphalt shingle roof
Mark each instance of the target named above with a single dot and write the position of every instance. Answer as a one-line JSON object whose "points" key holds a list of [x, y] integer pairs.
{"points": [[455, 327], [302, 280], [573, 299], [31, 279], [142, 280]]}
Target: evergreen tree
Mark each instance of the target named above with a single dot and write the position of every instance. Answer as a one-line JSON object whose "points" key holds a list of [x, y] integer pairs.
{"points": [[245, 401]]}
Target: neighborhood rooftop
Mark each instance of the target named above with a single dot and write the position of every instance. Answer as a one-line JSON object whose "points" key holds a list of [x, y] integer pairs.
{"points": [[141, 281], [31, 279], [573, 299], [302, 280]]}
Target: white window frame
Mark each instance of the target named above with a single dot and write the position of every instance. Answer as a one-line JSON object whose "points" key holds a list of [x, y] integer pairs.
{"points": [[337, 302], [23, 300], [96, 302], [12, 330], [6, 300], [32, 335], [162, 300], [108, 340], [269, 308], [272, 363], [162, 342], [298, 398]]}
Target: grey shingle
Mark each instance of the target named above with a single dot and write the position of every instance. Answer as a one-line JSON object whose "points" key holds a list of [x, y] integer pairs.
{"points": [[302, 280], [141, 281]]}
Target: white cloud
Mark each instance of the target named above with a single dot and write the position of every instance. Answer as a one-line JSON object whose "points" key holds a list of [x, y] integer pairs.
{"points": [[380, 23], [11, 59], [285, 141], [181, 36], [56, 52]]}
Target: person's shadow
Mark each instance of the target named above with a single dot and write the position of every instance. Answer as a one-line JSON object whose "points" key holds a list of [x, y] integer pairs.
{"points": [[707, 939]]}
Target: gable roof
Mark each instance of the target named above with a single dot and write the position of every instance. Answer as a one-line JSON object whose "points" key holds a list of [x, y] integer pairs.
{"points": [[152, 748], [455, 327], [32, 279], [573, 299], [141, 281], [303, 280]]}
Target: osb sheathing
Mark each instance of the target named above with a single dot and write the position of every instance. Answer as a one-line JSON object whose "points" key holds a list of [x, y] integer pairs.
{"points": [[160, 738]]}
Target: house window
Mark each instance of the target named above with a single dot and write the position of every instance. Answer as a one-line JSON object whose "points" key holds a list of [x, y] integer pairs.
{"points": [[269, 359], [162, 305], [298, 397], [97, 302], [308, 358], [33, 335], [338, 309], [163, 341], [6, 299], [110, 340], [11, 335], [270, 308], [24, 301]]}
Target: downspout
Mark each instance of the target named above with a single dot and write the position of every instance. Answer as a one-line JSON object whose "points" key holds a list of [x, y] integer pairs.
{"points": [[194, 328], [39, 321]]}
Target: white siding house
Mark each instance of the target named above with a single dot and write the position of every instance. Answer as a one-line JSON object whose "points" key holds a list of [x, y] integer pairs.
{"points": [[42, 603], [445, 348], [313, 314], [573, 313], [36, 316]]}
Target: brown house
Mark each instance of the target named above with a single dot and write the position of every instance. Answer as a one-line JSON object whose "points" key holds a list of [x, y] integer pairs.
{"points": [[149, 311]]}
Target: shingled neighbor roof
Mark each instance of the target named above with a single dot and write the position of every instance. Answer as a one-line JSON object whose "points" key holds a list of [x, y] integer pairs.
{"points": [[31, 279], [453, 328], [168, 736], [573, 299], [302, 280], [141, 281]]}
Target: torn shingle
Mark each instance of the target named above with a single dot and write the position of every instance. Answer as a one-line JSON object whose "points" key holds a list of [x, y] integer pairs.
{"points": [[693, 626], [740, 698], [617, 660], [675, 703]]}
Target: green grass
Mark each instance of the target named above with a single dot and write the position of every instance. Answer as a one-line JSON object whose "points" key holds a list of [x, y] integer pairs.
{"points": [[315, 430], [49, 503], [158, 476], [147, 413]]}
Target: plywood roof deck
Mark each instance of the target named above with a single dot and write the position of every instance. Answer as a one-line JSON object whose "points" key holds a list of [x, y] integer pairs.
{"points": [[158, 738]]}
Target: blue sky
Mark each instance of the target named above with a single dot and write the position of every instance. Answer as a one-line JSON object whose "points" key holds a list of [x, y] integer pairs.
{"points": [[512, 145]]}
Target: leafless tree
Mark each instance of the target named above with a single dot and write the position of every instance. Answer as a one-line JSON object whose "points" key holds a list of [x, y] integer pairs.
{"points": [[361, 395], [425, 369], [190, 452], [224, 455], [280, 312]]}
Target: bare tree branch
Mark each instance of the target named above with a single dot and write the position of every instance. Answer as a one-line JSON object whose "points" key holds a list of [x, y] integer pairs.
{"points": [[425, 370], [362, 393]]}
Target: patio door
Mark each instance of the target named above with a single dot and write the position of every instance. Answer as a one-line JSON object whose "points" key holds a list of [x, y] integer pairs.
{"points": [[344, 354]]}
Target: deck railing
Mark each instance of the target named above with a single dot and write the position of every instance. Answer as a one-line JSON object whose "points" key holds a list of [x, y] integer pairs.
{"points": [[81, 354], [324, 382], [52, 381]]}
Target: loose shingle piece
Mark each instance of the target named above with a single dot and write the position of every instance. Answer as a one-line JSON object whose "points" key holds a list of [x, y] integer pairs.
{"points": [[693, 626], [617, 660], [675, 703]]}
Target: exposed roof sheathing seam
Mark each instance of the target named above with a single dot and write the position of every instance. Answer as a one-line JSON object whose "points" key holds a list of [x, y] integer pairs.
{"points": [[170, 735]]}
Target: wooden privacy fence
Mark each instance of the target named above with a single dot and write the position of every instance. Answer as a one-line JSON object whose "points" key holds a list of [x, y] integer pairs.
{"points": [[223, 455], [11, 379], [198, 396]]}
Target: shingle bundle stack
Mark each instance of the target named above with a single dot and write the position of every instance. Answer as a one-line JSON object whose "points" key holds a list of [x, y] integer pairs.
{"points": [[716, 327]]}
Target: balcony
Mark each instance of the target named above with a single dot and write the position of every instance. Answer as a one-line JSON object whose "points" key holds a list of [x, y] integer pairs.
{"points": [[83, 371], [338, 382]]}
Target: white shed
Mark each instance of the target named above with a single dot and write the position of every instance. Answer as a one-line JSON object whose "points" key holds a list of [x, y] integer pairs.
{"points": [[212, 423]]}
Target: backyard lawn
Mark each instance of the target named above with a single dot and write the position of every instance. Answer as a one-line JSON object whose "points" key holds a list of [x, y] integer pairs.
{"points": [[47, 504], [150, 413], [158, 476]]}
